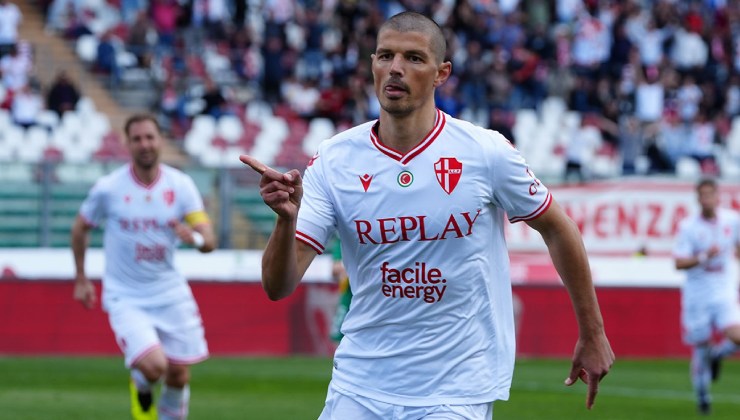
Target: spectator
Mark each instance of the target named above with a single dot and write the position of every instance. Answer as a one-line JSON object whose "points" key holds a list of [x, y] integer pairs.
{"points": [[142, 38], [10, 20], [63, 94], [215, 102], [131, 9], [26, 107], [302, 96], [649, 96], [447, 98], [164, 14], [689, 52], [501, 120], [15, 68], [273, 74], [702, 138], [106, 59]]}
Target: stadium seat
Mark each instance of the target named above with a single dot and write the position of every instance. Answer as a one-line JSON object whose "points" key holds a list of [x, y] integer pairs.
{"points": [[194, 143], [319, 129], [5, 120], [85, 106], [48, 119], [72, 122], [688, 168], [230, 128], [32, 148], [257, 111], [204, 125]]}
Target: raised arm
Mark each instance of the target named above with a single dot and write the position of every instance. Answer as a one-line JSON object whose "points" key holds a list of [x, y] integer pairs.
{"points": [[285, 260], [593, 355]]}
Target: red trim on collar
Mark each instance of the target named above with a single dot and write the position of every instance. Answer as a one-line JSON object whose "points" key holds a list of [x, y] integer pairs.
{"points": [[439, 124], [140, 182]]}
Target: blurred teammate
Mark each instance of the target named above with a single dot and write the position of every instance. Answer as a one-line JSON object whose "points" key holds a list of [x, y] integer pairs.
{"points": [[148, 208], [706, 244], [418, 200]]}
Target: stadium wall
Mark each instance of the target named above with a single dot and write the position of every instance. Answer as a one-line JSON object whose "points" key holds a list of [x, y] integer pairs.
{"points": [[40, 317]]}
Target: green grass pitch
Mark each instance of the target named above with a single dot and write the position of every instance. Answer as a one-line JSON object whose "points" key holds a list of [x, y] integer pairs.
{"points": [[36, 388]]}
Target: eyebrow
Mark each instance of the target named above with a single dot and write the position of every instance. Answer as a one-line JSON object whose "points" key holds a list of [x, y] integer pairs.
{"points": [[406, 52]]}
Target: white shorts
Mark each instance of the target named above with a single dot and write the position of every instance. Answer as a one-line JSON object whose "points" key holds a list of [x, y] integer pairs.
{"points": [[177, 328], [343, 405], [701, 319]]}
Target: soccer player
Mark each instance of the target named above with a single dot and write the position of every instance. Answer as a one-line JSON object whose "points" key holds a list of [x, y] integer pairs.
{"points": [[418, 199], [705, 246], [148, 208]]}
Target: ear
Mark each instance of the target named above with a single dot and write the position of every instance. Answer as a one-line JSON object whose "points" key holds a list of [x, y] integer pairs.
{"points": [[443, 73]]}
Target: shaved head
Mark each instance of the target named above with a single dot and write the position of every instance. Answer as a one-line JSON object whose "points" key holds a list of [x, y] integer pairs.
{"points": [[416, 22]]}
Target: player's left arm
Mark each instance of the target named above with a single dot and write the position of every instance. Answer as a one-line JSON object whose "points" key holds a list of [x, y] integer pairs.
{"points": [[593, 356], [197, 231]]}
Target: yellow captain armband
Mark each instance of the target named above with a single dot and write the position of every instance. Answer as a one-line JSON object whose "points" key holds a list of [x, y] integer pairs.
{"points": [[196, 218]]}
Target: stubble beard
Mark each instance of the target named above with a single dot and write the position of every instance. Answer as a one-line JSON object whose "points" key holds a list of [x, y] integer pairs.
{"points": [[395, 108]]}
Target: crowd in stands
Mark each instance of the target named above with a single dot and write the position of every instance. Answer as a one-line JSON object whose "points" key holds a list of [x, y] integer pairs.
{"points": [[658, 79], [21, 94]]}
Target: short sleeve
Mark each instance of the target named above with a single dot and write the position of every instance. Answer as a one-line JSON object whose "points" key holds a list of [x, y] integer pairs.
{"points": [[316, 217], [191, 198], [682, 247], [93, 208], [516, 189]]}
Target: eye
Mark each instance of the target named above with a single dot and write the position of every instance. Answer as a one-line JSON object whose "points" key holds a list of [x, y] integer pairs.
{"points": [[415, 59], [384, 56]]}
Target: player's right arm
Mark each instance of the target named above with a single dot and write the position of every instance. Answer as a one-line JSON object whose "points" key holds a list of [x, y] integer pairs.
{"points": [[285, 260], [84, 291], [685, 256]]}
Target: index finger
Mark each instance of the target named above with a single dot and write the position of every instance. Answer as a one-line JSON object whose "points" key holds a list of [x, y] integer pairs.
{"points": [[255, 164], [593, 389]]}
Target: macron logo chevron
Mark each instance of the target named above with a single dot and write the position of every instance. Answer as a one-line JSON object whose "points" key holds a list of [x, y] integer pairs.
{"points": [[366, 179]]}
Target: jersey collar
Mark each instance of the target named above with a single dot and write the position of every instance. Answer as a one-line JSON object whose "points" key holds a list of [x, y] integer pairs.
{"points": [[439, 123], [142, 183]]}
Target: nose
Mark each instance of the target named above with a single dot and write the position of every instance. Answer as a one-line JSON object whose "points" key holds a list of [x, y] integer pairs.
{"points": [[397, 65]]}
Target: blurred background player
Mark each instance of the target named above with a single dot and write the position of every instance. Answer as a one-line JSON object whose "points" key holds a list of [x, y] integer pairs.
{"points": [[705, 247], [148, 208], [339, 274]]}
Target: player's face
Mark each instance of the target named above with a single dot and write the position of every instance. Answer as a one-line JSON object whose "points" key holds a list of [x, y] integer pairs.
{"points": [[144, 144], [708, 198], [405, 71]]}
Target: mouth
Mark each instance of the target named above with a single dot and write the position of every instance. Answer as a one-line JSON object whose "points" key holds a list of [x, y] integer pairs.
{"points": [[395, 88]]}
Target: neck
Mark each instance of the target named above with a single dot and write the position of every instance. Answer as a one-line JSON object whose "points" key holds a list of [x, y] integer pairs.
{"points": [[708, 214], [146, 175], [403, 133]]}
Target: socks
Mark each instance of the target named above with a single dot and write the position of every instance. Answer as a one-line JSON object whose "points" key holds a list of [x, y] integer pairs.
{"points": [[141, 382], [701, 376], [174, 402]]}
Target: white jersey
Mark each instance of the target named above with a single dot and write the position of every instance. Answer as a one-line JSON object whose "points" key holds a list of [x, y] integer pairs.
{"points": [[712, 281], [139, 243], [431, 318]]}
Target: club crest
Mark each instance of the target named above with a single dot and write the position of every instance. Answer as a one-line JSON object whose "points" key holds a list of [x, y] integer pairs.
{"points": [[448, 171], [169, 197]]}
